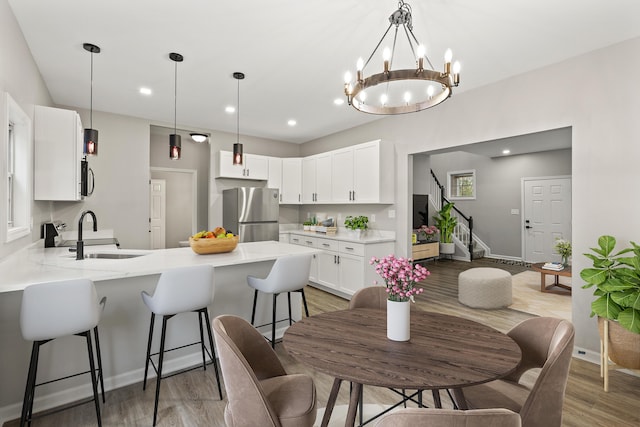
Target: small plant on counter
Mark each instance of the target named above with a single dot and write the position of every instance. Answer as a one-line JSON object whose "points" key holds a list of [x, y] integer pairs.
{"points": [[356, 223]]}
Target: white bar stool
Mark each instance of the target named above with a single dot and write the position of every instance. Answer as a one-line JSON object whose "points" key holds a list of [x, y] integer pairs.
{"points": [[180, 290], [288, 274], [54, 310]]}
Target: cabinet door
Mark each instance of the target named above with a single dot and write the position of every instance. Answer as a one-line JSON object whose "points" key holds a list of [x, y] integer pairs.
{"points": [[274, 179], [328, 273], [313, 272], [57, 154], [308, 180], [367, 168], [226, 168], [323, 178], [342, 175], [351, 273], [291, 181], [256, 167]]}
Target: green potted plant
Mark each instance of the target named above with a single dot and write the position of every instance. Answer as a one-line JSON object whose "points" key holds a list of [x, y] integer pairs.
{"points": [[446, 223], [356, 224], [616, 278]]}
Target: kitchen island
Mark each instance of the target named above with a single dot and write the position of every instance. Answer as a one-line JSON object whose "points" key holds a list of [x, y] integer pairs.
{"points": [[125, 321]]}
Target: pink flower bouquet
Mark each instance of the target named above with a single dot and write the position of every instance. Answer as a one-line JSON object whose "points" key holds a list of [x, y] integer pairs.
{"points": [[400, 276]]}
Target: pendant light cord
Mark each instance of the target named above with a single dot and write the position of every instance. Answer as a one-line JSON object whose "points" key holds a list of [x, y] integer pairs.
{"points": [[175, 100], [238, 116], [91, 96]]}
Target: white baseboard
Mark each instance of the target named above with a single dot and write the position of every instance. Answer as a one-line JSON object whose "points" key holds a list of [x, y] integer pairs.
{"points": [[52, 400]]}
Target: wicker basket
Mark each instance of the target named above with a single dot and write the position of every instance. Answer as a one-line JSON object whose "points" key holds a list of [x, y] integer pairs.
{"points": [[213, 246]]}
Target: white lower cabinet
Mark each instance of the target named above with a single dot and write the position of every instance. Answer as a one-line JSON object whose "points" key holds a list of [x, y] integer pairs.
{"points": [[343, 266]]}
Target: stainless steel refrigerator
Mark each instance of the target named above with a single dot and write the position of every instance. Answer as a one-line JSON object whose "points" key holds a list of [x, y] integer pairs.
{"points": [[251, 212]]}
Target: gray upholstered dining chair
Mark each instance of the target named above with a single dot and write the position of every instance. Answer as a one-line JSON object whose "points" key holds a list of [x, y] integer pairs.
{"points": [[259, 390], [427, 417], [546, 343]]}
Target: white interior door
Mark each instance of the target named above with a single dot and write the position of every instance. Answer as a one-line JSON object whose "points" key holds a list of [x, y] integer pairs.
{"points": [[157, 213], [547, 216]]}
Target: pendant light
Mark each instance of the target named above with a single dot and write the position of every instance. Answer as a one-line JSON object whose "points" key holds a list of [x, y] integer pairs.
{"points": [[90, 144], [237, 147], [175, 144]]}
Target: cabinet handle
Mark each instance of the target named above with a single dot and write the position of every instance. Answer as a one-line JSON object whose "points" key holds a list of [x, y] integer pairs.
{"points": [[325, 245], [296, 240], [349, 195], [338, 259], [335, 261], [354, 195], [348, 248], [298, 197], [308, 242], [247, 172]]}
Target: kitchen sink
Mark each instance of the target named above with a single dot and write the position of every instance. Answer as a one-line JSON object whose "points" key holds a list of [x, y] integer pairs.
{"points": [[112, 255]]}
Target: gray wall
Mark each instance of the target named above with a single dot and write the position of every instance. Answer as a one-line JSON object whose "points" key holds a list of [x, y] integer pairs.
{"points": [[194, 156], [605, 149], [20, 77], [498, 191]]}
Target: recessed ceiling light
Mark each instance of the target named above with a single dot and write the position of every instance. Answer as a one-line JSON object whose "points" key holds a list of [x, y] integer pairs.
{"points": [[230, 109], [292, 122], [338, 101], [145, 91], [506, 151]]}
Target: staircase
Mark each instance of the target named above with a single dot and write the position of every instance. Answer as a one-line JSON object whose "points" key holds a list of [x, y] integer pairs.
{"points": [[470, 246]]}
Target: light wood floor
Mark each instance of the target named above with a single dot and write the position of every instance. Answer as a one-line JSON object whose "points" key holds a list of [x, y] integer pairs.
{"points": [[190, 399]]}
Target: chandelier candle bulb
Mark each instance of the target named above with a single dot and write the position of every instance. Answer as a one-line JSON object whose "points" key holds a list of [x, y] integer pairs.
{"points": [[359, 67], [456, 73]]}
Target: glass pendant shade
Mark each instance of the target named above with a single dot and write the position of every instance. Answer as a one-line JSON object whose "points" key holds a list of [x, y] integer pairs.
{"points": [[175, 146], [90, 145], [237, 153]]}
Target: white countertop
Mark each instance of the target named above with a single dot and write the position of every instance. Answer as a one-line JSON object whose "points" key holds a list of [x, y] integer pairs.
{"points": [[372, 236], [36, 264]]}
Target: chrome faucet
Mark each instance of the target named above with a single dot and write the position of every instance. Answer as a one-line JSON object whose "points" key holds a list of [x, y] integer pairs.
{"points": [[80, 243]]}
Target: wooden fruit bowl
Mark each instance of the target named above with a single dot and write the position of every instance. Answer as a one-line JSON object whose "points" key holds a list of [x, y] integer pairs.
{"points": [[213, 246]]}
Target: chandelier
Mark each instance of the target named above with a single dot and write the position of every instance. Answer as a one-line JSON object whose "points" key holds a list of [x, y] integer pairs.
{"points": [[398, 91]]}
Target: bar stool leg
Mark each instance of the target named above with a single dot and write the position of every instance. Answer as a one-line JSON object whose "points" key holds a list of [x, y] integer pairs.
{"points": [[255, 300], [99, 355], [204, 361], [27, 403], [213, 351], [273, 323], [304, 301], [146, 364], [94, 382], [289, 301], [161, 357]]}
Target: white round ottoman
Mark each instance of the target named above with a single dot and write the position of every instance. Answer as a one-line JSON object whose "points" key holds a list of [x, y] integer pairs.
{"points": [[484, 287]]}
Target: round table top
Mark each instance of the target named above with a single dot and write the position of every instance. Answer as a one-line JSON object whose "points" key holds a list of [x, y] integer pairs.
{"points": [[443, 351]]}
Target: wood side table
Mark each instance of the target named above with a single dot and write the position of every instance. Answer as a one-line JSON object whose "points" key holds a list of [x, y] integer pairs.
{"points": [[566, 272]]}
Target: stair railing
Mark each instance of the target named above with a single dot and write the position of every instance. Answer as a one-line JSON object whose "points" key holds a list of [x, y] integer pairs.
{"points": [[464, 228]]}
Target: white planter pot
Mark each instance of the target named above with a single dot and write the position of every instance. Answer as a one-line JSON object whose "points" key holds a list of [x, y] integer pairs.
{"points": [[447, 248], [398, 320], [356, 234]]}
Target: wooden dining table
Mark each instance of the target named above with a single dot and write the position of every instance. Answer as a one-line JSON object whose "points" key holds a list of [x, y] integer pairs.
{"points": [[443, 352]]}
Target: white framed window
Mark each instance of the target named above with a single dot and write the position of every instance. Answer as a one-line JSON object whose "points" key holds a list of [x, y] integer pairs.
{"points": [[462, 185], [18, 171]]}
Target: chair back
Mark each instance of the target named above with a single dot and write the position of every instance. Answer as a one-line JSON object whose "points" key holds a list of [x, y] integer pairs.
{"points": [[546, 343], [289, 273], [245, 359], [182, 289], [56, 309], [430, 417], [370, 297]]}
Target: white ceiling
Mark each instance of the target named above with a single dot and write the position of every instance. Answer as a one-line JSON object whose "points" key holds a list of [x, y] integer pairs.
{"points": [[293, 52]]}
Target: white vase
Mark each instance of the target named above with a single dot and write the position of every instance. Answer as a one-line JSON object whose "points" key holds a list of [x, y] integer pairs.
{"points": [[447, 248], [398, 320]]}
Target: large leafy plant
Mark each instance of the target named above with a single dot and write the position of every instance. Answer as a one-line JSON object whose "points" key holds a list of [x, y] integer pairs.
{"points": [[446, 223], [616, 277]]}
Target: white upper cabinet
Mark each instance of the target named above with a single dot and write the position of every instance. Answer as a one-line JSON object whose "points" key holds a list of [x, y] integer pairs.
{"points": [[285, 174], [316, 179], [291, 190], [253, 167], [58, 139], [363, 173]]}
